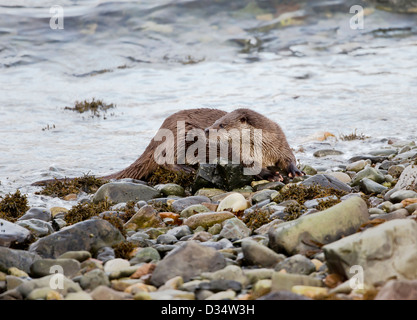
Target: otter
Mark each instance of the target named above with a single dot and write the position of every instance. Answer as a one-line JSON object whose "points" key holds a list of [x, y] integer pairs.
{"points": [[276, 152]]}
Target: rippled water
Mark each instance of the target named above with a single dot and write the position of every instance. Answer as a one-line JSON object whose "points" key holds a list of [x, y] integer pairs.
{"points": [[297, 62]]}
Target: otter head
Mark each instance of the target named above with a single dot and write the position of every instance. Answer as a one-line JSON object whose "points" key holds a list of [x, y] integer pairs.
{"points": [[238, 119]]}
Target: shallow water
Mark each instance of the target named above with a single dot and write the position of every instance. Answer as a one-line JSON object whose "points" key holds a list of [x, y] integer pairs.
{"points": [[299, 64]]}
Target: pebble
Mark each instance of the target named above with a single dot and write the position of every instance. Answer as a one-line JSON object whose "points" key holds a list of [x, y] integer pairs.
{"points": [[207, 219], [115, 265], [37, 227], [369, 186], [76, 255], [234, 229], [235, 202], [12, 234], [358, 165], [181, 204], [401, 195], [327, 152], [193, 209], [370, 173], [310, 292], [171, 189], [106, 293], [223, 295], [117, 192], [298, 264], [260, 255], [37, 213], [146, 255], [44, 267], [146, 217]]}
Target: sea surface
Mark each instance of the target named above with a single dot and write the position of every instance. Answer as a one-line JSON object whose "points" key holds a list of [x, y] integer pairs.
{"points": [[308, 65]]}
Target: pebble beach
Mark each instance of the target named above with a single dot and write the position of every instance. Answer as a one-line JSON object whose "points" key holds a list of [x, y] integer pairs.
{"points": [[84, 101]]}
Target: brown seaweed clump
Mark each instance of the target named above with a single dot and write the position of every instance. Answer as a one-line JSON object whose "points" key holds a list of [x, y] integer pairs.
{"points": [[123, 250], [353, 136], [163, 176], [256, 218], [294, 211], [302, 193], [95, 107], [13, 206], [62, 188], [86, 210]]}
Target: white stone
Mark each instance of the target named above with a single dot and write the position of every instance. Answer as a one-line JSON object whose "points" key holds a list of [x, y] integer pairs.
{"points": [[236, 202]]}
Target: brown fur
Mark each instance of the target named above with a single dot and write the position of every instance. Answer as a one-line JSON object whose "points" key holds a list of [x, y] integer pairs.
{"points": [[276, 151]]}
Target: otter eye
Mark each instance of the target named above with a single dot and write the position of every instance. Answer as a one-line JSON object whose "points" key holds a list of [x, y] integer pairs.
{"points": [[243, 119], [221, 126]]}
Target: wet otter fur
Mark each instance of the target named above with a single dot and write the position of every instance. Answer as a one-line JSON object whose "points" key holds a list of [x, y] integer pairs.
{"points": [[276, 153]]}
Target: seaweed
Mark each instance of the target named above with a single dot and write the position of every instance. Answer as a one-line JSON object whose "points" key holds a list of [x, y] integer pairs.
{"points": [[61, 188], [116, 222], [94, 107], [123, 249], [327, 203], [256, 218], [163, 175], [294, 211], [353, 136], [86, 210], [302, 193], [13, 206]]}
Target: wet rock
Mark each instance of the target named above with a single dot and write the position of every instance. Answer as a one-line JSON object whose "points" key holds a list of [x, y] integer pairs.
{"points": [[116, 265], [172, 295], [327, 152], [396, 170], [180, 231], [193, 209], [401, 195], [220, 285], [166, 239], [44, 294], [16, 258], [369, 186], [373, 159], [398, 290], [117, 192], [76, 255], [54, 281], [106, 293], [93, 279], [146, 255], [299, 236], [316, 202], [283, 295], [207, 219], [171, 189], [181, 204], [341, 176], [13, 235], [259, 255], [275, 185], [44, 267], [394, 256], [285, 281], [221, 176], [105, 254], [234, 229], [37, 227], [265, 194], [408, 178], [326, 181], [37, 213], [358, 165], [89, 235], [383, 152], [78, 296], [298, 264], [310, 291], [146, 217], [235, 201], [223, 295], [370, 173], [229, 273], [197, 258]]}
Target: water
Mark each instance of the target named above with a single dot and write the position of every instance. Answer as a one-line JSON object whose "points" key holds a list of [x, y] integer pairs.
{"points": [[299, 63]]}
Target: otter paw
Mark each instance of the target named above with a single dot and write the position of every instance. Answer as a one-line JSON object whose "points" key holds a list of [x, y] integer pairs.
{"points": [[293, 171]]}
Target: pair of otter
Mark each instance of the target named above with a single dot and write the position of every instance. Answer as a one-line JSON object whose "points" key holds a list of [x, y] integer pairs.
{"points": [[276, 153]]}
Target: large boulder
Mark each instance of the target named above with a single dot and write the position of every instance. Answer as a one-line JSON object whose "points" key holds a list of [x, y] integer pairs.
{"points": [[187, 261], [303, 234], [117, 192], [89, 235], [387, 251]]}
